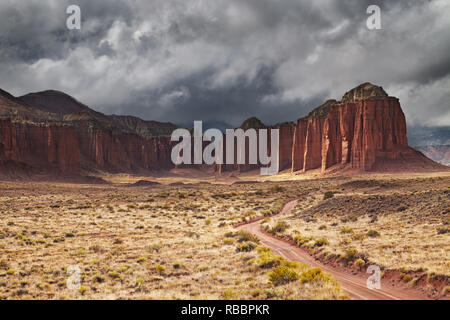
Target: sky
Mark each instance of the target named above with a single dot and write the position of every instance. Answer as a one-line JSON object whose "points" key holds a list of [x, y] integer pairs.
{"points": [[223, 61]]}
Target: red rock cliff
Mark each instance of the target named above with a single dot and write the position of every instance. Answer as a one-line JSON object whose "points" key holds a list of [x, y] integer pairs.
{"points": [[365, 131], [50, 148]]}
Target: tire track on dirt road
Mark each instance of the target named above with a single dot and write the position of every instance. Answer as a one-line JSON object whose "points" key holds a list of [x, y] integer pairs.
{"points": [[354, 285]]}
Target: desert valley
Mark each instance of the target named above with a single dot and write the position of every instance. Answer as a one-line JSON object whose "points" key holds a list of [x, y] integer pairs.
{"points": [[97, 197]]}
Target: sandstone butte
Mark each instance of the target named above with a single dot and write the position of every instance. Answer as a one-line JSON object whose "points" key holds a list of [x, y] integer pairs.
{"points": [[52, 133]]}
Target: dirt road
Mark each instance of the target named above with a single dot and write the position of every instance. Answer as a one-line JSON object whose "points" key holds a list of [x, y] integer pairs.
{"points": [[353, 284]]}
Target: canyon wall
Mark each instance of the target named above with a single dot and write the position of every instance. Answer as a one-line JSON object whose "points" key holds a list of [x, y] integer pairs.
{"points": [[365, 131], [68, 150], [45, 148], [123, 152]]}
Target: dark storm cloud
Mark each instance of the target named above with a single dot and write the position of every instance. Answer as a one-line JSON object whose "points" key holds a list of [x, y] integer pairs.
{"points": [[225, 60]]}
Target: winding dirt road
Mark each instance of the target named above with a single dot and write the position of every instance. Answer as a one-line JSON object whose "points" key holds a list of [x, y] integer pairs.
{"points": [[353, 284]]}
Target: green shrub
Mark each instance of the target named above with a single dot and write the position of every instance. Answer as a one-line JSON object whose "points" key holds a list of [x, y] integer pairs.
{"points": [[160, 269], [246, 246], [229, 294], [267, 259], [300, 240], [346, 230], [82, 290], [328, 195], [373, 233], [314, 274], [279, 227], [244, 236], [351, 255], [359, 263], [321, 242], [99, 278], [141, 259], [281, 275]]}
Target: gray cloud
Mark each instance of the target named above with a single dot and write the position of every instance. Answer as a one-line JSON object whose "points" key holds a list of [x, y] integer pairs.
{"points": [[226, 60]]}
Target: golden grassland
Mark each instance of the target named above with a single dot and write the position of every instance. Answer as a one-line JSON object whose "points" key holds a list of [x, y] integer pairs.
{"points": [[398, 223], [159, 242]]}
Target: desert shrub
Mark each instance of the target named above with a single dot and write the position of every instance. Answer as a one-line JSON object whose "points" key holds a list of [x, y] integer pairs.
{"points": [[358, 236], [277, 189], [373, 233], [228, 241], [321, 242], [267, 259], [82, 290], [141, 259], [314, 274], [281, 275], [178, 265], [328, 195], [267, 213], [359, 263], [301, 240], [99, 278], [114, 274], [244, 235], [139, 282], [246, 246], [279, 227], [229, 294], [351, 254], [203, 267], [405, 277], [4, 264], [443, 230], [156, 247], [160, 269], [346, 230], [96, 248]]}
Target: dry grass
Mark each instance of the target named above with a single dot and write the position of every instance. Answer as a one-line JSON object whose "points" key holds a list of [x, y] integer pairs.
{"points": [[395, 223], [163, 242], [178, 242]]}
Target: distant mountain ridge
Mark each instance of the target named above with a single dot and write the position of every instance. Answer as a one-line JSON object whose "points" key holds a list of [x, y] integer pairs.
{"points": [[439, 154], [67, 108]]}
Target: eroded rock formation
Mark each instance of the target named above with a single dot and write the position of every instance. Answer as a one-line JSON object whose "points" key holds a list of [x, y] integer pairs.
{"points": [[365, 131], [52, 132]]}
